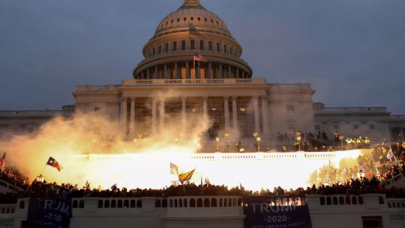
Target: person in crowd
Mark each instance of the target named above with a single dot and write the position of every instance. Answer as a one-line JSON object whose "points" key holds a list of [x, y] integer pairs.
{"points": [[286, 138], [367, 143]]}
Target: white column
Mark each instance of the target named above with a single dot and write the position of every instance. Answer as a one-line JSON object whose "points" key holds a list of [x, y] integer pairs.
{"points": [[132, 115], [226, 112], [124, 115], [235, 113], [205, 106], [176, 71], [165, 74], [153, 116], [209, 76], [265, 113], [162, 116], [256, 112], [220, 71], [183, 113]]}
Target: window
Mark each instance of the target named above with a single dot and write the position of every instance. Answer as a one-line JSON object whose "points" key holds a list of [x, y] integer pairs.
{"points": [[199, 19], [355, 127], [192, 18], [372, 127], [317, 127], [171, 22], [372, 221], [212, 21], [174, 46], [192, 45], [205, 19], [154, 51], [291, 128], [217, 23], [231, 51], [160, 49], [167, 47], [224, 48], [218, 47], [167, 22], [210, 45], [178, 19], [185, 19], [183, 45], [290, 108], [202, 45]]}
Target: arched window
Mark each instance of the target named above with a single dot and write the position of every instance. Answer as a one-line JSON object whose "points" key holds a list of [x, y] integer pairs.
{"points": [[322, 201], [119, 203], [354, 200], [201, 44], [217, 23], [185, 202], [341, 201], [154, 51], [107, 204], [132, 204], [167, 22], [214, 203], [210, 45], [199, 19], [185, 19], [206, 202], [139, 203], [218, 47], [74, 204], [381, 200], [164, 203], [126, 203], [224, 48], [335, 201], [158, 203], [160, 49], [205, 19], [183, 45], [192, 203], [171, 22], [192, 18], [113, 204], [174, 46], [178, 19], [199, 203], [212, 21], [167, 47], [192, 45], [22, 205], [100, 204], [361, 201], [81, 204]]}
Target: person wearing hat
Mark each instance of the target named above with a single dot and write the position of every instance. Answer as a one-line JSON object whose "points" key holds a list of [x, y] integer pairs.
{"points": [[367, 142]]}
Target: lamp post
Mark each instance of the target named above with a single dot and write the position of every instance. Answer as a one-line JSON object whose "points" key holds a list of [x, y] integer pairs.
{"points": [[217, 139], [341, 139], [40, 178], [227, 134], [299, 140], [258, 139]]}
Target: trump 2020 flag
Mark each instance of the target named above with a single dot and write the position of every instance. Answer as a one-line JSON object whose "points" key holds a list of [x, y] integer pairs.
{"points": [[55, 164]]}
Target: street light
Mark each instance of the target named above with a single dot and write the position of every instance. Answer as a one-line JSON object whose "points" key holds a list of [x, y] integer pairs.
{"points": [[258, 143], [217, 139], [299, 140], [341, 139], [227, 134]]}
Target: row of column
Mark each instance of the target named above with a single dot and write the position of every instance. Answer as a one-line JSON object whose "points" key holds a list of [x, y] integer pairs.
{"points": [[235, 124], [165, 71]]}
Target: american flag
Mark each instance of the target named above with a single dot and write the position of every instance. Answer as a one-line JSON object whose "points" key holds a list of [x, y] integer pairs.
{"points": [[175, 170], [198, 57]]}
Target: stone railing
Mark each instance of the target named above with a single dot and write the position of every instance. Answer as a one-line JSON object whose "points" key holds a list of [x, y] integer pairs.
{"points": [[211, 156], [396, 203], [185, 82], [37, 113], [352, 110], [7, 186], [370, 201]]}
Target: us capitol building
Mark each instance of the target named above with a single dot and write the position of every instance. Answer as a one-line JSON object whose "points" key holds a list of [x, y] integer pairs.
{"points": [[168, 82]]}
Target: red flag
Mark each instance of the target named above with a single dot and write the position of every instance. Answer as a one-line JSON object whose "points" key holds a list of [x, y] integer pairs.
{"points": [[3, 162], [198, 57]]}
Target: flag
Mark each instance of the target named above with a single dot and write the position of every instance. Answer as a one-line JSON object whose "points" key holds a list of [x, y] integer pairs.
{"points": [[175, 170], [390, 155], [107, 87], [87, 185], [114, 187], [186, 176], [207, 181], [200, 58], [55, 164], [362, 169], [3, 162]]}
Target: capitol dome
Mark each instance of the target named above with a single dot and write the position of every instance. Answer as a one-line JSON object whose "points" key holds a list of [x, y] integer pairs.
{"points": [[191, 29]]}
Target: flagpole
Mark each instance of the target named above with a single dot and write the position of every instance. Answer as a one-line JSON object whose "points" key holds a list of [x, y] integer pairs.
{"points": [[44, 169], [194, 65]]}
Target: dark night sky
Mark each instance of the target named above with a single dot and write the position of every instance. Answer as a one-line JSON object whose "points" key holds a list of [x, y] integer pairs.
{"points": [[352, 51]]}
